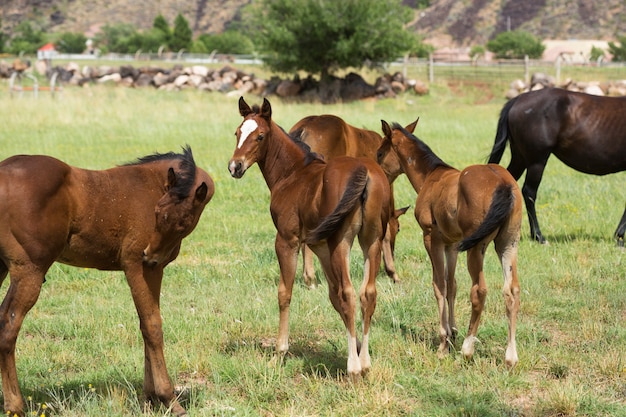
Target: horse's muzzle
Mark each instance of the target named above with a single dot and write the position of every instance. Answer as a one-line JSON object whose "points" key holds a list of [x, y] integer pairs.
{"points": [[236, 168], [149, 261]]}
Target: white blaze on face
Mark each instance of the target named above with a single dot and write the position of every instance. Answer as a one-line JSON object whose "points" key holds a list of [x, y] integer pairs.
{"points": [[246, 128]]}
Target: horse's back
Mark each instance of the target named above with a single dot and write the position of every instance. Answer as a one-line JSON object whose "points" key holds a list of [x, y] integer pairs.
{"points": [[584, 131], [332, 137]]}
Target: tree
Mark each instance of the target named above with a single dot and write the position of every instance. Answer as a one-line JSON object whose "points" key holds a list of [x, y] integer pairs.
{"points": [[228, 42], [321, 37], [516, 45], [182, 35], [160, 26], [26, 39], [115, 38], [618, 51], [71, 43]]}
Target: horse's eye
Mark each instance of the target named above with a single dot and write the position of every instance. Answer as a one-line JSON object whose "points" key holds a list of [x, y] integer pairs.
{"points": [[259, 138]]}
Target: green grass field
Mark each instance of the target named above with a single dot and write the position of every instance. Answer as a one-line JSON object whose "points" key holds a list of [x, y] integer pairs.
{"points": [[80, 352]]}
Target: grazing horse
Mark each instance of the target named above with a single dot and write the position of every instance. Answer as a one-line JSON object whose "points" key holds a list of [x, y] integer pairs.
{"points": [[464, 211], [130, 218], [330, 136], [586, 132], [324, 205]]}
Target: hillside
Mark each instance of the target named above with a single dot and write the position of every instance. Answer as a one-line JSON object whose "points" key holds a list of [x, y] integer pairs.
{"points": [[443, 23]]}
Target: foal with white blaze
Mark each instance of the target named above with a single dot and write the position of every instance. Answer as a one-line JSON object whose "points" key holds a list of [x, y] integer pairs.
{"points": [[324, 205]]}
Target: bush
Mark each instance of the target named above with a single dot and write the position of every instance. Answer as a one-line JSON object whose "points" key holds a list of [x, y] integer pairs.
{"points": [[71, 43], [229, 42], [516, 45], [618, 51]]}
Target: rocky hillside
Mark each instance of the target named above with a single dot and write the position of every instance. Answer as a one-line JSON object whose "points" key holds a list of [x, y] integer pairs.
{"points": [[443, 23]]}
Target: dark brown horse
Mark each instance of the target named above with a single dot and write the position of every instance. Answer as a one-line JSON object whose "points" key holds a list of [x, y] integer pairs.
{"points": [[331, 137], [464, 211], [130, 218], [325, 205], [586, 132]]}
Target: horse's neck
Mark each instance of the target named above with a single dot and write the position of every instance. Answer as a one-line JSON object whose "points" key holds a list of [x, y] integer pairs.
{"points": [[417, 168], [282, 157]]}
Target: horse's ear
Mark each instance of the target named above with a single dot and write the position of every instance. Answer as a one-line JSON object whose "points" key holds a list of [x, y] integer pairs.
{"points": [[244, 109], [399, 212], [171, 179], [266, 109], [411, 127], [386, 129], [201, 193]]}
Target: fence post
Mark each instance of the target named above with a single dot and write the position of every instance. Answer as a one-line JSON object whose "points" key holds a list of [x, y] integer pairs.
{"points": [[526, 69], [431, 69], [558, 69]]}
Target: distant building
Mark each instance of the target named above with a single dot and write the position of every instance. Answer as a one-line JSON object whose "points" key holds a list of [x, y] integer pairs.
{"points": [[46, 52]]}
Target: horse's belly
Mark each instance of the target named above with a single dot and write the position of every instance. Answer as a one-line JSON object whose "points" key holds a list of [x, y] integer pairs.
{"points": [[593, 164], [97, 259]]}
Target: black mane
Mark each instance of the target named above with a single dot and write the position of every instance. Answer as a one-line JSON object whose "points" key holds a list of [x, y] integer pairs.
{"points": [[186, 173], [428, 156], [310, 156]]}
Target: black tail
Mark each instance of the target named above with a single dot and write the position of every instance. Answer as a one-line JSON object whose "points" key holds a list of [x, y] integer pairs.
{"points": [[499, 210], [502, 134], [352, 196]]}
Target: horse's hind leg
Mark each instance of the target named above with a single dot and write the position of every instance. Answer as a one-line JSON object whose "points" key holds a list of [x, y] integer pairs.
{"points": [[343, 298], [367, 295], [436, 252], [21, 296], [451, 258], [506, 247], [534, 173], [621, 229], [478, 295]]}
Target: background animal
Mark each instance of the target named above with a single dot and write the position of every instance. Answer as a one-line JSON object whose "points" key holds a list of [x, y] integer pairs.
{"points": [[130, 218], [586, 132]]}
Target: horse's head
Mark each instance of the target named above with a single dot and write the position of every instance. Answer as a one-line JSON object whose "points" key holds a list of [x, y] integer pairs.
{"points": [[176, 215], [255, 127], [394, 225], [386, 154]]}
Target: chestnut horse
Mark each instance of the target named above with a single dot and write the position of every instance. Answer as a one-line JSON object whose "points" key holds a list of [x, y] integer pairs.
{"points": [[586, 132], [464, 211], [130, 218], [324, 205], [330, 136]]}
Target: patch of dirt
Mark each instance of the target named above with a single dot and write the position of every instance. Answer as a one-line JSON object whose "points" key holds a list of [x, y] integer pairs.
{"points": [[480, 90]]}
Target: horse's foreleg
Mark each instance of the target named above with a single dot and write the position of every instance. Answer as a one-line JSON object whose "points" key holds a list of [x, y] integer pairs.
{"points": [[507, 251], [20, 298], [390, 266], [145, 288], [287, 254], [621, 230], [308, 269], [435, 249], [451, 258], [478, 295]]}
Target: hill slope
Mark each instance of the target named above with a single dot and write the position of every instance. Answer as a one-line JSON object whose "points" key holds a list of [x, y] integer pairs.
{"points": [[443, 23]]}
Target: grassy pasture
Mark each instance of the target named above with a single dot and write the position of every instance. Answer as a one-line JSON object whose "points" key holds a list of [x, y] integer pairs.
{"points": [[80, 351]]}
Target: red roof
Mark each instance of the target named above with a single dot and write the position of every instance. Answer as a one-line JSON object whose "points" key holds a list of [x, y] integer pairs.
{"points": [[47, 47]]}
